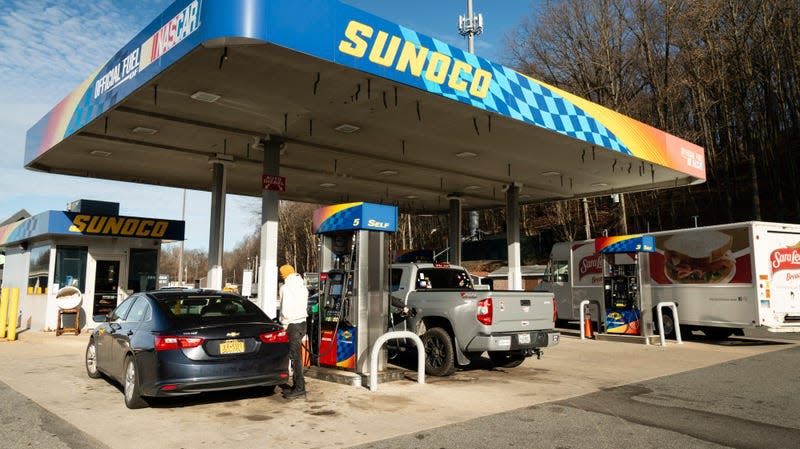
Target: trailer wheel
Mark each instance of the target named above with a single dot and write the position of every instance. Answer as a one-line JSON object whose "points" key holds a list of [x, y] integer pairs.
{"points": [[506, 359], [439, 354], [669, 324]]}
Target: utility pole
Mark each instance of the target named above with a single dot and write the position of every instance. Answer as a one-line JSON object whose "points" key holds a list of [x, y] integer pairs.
{"points": [[180, 254], [470, 26], [588, 226]]}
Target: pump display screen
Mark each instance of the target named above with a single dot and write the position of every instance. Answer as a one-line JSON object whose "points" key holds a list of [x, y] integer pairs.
{"points": [[336, 289]]}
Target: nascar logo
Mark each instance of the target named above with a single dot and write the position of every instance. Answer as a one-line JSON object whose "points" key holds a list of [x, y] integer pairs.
{"points": [[168, 36]]}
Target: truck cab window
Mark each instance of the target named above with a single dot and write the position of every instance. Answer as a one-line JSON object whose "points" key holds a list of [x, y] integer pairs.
{"points": [[394, 282], [438, 278], [558, 271]]}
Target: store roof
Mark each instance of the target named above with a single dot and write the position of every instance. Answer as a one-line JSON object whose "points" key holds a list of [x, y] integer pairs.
{"points": [[371, 110], [64, 223]]}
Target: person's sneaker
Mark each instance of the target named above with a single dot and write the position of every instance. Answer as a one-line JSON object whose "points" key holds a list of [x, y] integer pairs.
{"points": [[294, 394]]}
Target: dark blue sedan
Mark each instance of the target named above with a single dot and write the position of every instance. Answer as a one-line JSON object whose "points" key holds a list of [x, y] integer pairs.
{"points": [[175, 342]]}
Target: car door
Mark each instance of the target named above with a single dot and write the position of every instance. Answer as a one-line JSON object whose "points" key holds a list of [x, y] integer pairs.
{"points": [[109, 339], [126, 332]]}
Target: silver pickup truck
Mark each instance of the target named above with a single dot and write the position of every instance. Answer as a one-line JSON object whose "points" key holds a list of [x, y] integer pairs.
{"points": [[458, 323]]}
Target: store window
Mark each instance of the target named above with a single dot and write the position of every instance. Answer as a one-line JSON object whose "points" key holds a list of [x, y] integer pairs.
{"points": [[142, 273], [39, 270], [71, 267]]}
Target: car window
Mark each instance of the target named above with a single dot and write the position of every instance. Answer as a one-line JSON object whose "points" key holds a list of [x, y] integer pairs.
{"points": [[201, 308], [119, 313], [140, 311]]}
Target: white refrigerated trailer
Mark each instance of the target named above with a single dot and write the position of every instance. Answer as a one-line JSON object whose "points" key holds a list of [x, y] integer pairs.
{"points": [[723, 278]]}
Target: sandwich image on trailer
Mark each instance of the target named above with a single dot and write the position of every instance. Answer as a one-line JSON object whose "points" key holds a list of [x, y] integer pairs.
{"points": [[699, 257], [723, 278]]}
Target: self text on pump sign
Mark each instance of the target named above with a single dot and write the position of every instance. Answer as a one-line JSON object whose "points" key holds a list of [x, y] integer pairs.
{"points": [[385, 50]]}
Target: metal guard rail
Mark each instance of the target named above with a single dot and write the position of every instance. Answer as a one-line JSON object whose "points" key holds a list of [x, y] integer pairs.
{"points": [[373, 356], [675, 322]]}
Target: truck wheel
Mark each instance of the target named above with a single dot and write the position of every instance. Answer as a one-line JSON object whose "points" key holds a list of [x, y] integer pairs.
{"points": [[439, 355], [506, 359], [669, 324]]}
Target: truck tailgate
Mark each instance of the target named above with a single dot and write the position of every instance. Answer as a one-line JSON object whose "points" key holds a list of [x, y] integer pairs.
{"points": [[515, 311]]}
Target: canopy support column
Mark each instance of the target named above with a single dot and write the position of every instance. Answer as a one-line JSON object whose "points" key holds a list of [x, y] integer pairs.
{"points": [[512, 237], [216, 234], [270, 202], [455, 229]]}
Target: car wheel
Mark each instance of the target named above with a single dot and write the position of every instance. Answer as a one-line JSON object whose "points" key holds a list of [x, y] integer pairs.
{"points": [[439, 360], [506, 359], [133, 395], [91, 360]]}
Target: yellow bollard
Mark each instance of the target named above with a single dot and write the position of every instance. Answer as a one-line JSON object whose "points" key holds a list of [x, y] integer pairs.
{"points": [[12, 315], [3, 312]]}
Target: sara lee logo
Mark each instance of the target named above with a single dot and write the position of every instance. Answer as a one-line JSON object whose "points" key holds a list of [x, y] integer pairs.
{"points": [[785, 259], [590, 265]]}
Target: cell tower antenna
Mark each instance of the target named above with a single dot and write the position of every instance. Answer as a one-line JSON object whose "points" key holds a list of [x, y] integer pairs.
{"points": [[470, 26]]}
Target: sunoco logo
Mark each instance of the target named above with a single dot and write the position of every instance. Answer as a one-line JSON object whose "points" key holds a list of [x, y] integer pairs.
{"points": [[119, 226], [590, 265]]}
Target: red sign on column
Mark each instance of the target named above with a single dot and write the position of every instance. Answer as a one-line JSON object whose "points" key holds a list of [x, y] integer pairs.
{"points": [[276, 183]]}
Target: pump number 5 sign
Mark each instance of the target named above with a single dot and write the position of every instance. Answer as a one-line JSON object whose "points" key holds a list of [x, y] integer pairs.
{"points": [[275, 183]]}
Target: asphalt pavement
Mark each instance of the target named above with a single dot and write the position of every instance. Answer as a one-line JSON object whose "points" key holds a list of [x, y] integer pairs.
{"points": [[28, 425], [736, 393], [748, 403]]}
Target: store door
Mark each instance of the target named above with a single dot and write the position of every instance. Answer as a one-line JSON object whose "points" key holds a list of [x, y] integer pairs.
{"points": [[106, 286]]}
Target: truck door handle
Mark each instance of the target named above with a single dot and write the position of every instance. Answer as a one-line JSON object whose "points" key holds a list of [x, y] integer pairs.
{"points": [[525, 302], [130, 333]]}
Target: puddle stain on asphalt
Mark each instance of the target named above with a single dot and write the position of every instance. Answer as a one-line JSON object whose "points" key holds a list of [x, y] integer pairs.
{"points": [[257, 417], [390, 403]]}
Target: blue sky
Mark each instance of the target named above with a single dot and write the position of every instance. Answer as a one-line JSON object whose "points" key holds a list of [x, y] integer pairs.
{"points": [[47, 47]]}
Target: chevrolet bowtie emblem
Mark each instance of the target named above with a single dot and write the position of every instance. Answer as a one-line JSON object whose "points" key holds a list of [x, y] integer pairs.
{"points": [[233, 334]]}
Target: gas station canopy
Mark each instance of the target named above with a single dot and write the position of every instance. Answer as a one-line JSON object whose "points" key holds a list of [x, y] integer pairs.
{"points": [[369, 111]]}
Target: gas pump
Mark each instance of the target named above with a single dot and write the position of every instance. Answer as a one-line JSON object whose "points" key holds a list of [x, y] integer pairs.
{"points": [[353, 301], [623, 266]]}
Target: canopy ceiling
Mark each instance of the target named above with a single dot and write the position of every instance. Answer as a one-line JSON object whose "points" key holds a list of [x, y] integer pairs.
{"points": [[413, 136]]}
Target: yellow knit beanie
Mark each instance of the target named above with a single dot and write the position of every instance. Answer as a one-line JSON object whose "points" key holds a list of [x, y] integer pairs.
{"points": [[286, 270]]}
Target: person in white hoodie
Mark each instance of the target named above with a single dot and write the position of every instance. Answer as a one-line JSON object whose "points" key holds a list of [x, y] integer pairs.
{"points": [[294, 304]]}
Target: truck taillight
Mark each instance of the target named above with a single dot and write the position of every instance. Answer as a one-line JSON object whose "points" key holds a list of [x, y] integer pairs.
{"points": [[555, 311], [485, 311]]}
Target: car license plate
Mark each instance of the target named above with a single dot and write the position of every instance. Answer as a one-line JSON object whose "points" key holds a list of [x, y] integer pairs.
{"points": [[524, 338], [231, 347]]}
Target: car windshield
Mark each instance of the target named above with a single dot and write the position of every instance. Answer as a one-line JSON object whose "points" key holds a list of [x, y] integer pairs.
{"points": [[204, 308]]}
